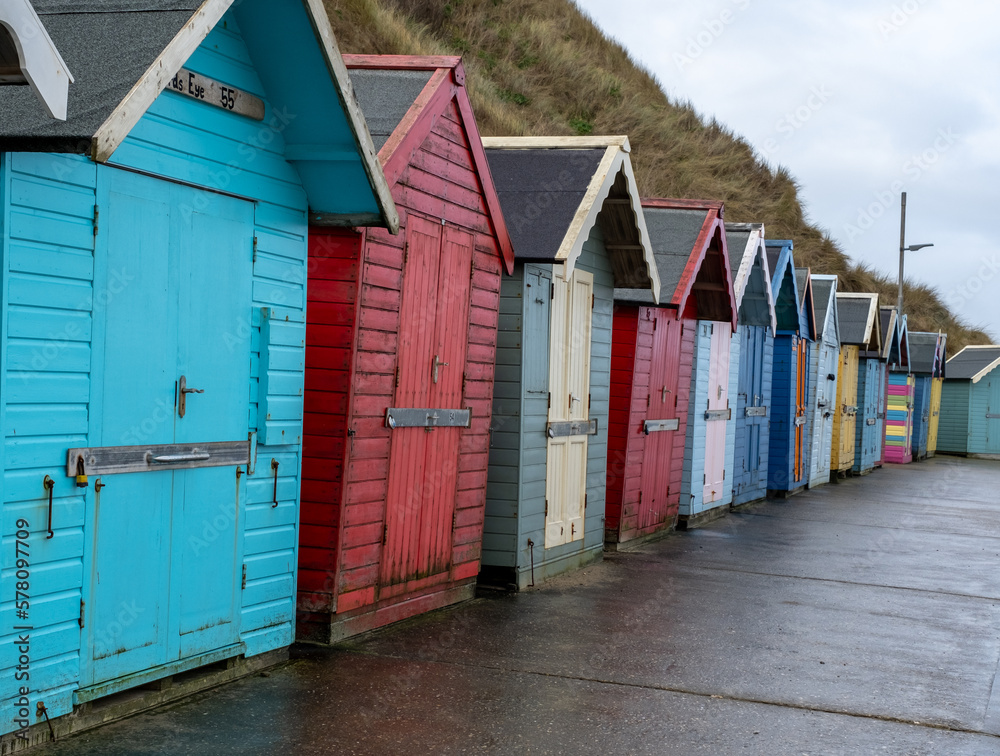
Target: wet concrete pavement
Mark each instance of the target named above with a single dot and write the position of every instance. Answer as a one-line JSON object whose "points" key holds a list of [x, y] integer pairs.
{"points": [[857, 618]]}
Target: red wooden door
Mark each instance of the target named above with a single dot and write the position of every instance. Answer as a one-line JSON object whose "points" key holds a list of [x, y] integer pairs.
{"points": [[433, 339], [654, 487], [800, 407]]}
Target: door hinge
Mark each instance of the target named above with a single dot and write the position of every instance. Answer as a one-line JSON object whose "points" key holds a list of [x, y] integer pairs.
{"points": [[675, 401], [254, 249], [586, 497], [647, 401], [385, 533], [546, 507], [243, 582], [550, 400], [593, 300], [83, 605], [589, 397], [97, 218], [640, 498], [397, 376], [704, 479], [654, 324], [552, 291], [465, 381]]}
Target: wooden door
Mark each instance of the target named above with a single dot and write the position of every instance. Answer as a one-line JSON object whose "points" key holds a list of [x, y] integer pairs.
{"points": [[754, 347], [911, 388], [430, 364], [569, 381], [869, 431], [657, 458], [801, 397], [826, 399], [718, 402], [175, 290], [932, 430], [848, 390]]}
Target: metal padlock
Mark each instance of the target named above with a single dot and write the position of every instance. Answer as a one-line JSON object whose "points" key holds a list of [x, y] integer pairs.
{"points": [[81, 474]]}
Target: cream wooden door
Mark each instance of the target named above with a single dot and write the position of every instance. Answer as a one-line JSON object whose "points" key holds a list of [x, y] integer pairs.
{"points": [[569, 382]]}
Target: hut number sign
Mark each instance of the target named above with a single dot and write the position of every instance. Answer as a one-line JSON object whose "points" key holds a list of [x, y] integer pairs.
{"points": [[216, 93]]}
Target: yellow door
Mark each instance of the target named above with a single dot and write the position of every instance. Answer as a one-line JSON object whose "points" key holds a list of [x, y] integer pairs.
{"points": [[842, 448], [935, 415]]}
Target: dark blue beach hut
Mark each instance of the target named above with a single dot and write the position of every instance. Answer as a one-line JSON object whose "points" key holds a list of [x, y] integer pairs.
{"points": [[751, 358], [787, 463], [153, 251]]}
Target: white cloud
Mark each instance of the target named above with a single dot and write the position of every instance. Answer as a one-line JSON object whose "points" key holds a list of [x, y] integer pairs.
{"points": [[899, 75]]}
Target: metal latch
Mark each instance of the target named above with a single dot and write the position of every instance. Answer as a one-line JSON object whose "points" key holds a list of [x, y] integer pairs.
{"points": [[720, 414], [652, 426], [407, 417], [560, 429]]}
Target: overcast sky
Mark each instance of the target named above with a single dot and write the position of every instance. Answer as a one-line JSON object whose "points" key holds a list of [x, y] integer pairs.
{"points": [[860, 100]]}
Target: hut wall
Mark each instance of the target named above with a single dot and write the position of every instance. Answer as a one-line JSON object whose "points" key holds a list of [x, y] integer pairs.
{"points": [[953, 431]]}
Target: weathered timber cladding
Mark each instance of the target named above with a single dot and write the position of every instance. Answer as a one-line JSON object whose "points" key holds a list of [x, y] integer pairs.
{"points": [[354, 374]]}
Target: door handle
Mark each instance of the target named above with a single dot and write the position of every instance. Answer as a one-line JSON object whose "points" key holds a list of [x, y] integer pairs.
{"points": [[437, 363], [171, 459], [182, 395]]}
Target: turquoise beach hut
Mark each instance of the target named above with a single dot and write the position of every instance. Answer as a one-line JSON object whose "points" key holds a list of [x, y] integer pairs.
{"points": [[153, 250]]}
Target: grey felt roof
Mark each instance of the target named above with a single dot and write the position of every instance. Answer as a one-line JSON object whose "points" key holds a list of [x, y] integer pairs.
{"points": [[853, 315], [540, 192], [736, 243], [385, 96], [969, 362], [821, 302], [672, 234], [800, 284], [773, 253], [922, 349], [107, 45]]}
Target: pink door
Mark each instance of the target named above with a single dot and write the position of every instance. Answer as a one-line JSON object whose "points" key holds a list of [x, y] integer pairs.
{"points": [[423, 462], [654, 490], [717, 415]]}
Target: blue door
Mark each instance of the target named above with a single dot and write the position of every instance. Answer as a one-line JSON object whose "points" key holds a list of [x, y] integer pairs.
{"points": [[173, 300], [750, 474]]}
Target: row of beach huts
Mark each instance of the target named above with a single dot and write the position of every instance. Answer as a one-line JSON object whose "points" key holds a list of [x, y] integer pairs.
{"points": [[287, 350]]}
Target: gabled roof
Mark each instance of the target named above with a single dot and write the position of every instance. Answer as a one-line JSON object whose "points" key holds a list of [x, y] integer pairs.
{"points": [[807, 303], [555, 190], [750, 274], [925, 352], [125, 52], [828, 321], [904, 345], [859, 321], [402, 98], [890, 334], [689, 243], [974, 363], [29, 56], [786, 294]]}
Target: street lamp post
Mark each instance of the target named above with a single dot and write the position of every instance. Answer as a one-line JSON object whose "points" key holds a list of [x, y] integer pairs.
{"points": [[903, 248]]}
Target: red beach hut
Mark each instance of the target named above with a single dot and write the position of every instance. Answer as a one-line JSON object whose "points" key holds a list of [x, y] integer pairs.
{"points": [[400, 349]]}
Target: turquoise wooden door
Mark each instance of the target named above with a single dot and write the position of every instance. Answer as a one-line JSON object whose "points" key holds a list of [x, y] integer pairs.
{"points": [[171, 301]]}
